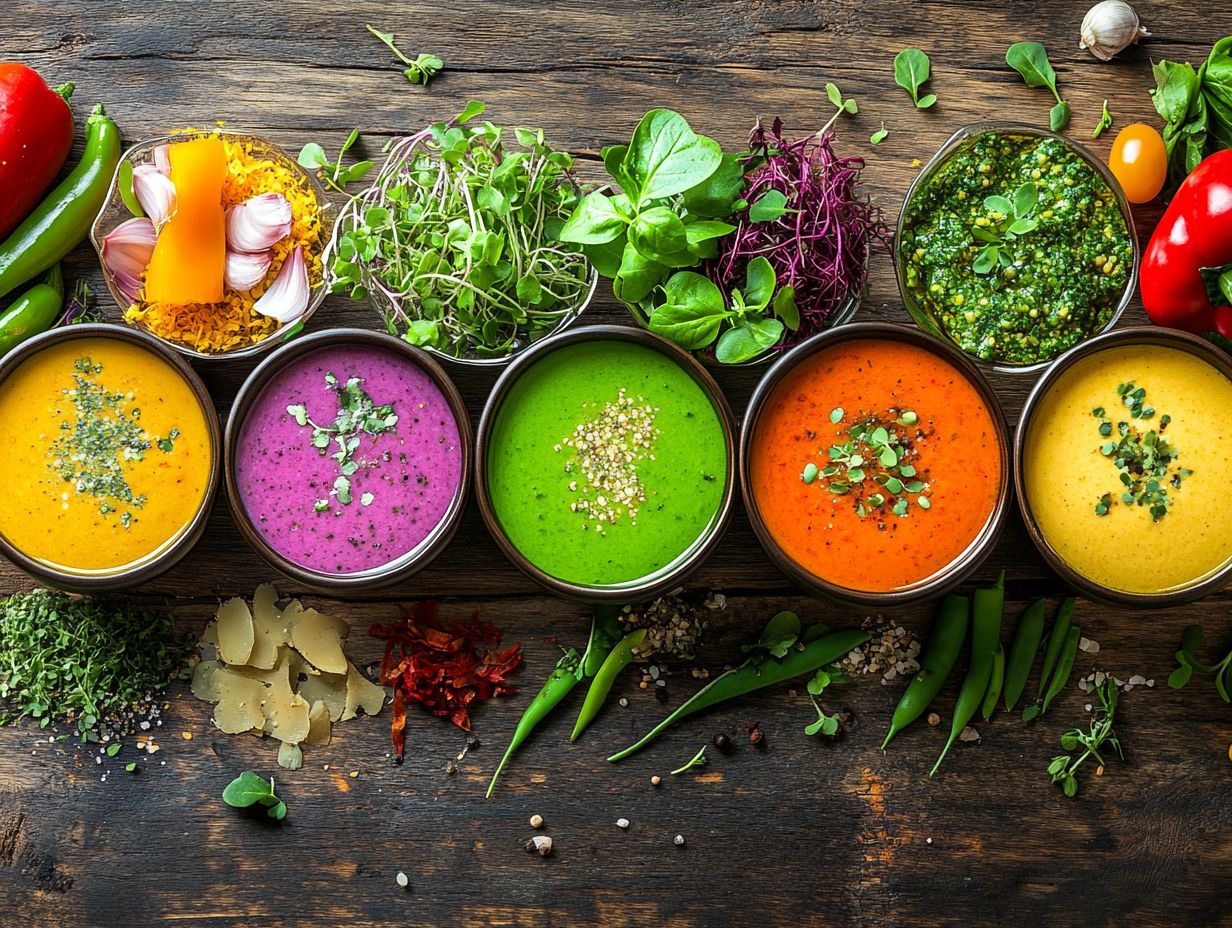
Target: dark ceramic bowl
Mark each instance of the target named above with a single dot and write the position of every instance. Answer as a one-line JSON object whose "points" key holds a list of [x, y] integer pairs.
{"points": [[1140, 335], [401, 567], [155, 564], [688, 561], [979, 548]]}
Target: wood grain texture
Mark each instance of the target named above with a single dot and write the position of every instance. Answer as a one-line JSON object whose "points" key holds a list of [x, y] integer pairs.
{"points": [[801, 833]]}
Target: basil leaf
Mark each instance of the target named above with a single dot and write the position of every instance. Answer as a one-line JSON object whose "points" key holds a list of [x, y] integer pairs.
{"points": [[1217, 92], [594, 222], [606, 256], [747, 340], [1218, 282], [1058, 116], [666, 157], [706, 229], [614, 160], [691, 288], [248, 789]]}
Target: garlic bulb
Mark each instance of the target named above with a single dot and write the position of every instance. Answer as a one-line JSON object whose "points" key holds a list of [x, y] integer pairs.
{"points": [[1109, 28]]}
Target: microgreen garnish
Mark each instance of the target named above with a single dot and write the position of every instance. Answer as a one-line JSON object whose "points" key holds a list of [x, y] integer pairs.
{"points": [[248, 789], [1145, 461], [312, 156], [1064, 767], [420, 69], [911, 71], [1188, 664], [874, 464], [841, 105], [879, 136], [1006, 219], [357, 416], [104, 435], [697, 760], [825, 723], [1104, 124], [1031, 61]]}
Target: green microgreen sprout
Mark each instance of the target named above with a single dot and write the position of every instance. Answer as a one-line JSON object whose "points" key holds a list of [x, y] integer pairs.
{"points": [[697, 760], [841, 105], [826, 723], [248, 789], [778, 637], [1145, 461], [879, 136], [1188, 664], [1064, 767], [1104, 124], [1005, 221], [912, 70], [357, 415], [1031, 61], [420, 69], [312, 156]]}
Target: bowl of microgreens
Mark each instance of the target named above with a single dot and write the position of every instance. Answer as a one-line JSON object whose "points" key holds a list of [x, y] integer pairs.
{"points": [[456, 241], [732, 256]]}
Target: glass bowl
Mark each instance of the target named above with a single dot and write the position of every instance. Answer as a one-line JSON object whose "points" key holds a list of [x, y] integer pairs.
{"points": [[384, 302], [959, 140], [114, 212]]}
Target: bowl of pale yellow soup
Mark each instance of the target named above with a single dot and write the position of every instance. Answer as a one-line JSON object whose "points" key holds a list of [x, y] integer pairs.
{"points": [[112, 450], [1120, 467]]}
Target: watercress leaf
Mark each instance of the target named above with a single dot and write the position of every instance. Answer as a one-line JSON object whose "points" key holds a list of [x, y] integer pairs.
{"points": [[1022, 226], [658, 233], [689, 325], [815, 727], [1031, 61], [594, 221], [747, 340], [926, 101], [350, 140], [422, 332], [705, 229], [1058, 116], [984, 235], [985, 261], [851, 106], [782, 625], [357, 171], [312, 157], [834, 95], [667, 157], [769, 206], [688, 288], [716, 197], [278, 811], [911, 70], [879, 136], [785, 307], [527, 138], [1180, 676], [638, 275], [759, 283]]}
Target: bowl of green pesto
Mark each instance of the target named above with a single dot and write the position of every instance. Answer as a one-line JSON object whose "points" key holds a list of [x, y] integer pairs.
{"points": [[1016, 244]]}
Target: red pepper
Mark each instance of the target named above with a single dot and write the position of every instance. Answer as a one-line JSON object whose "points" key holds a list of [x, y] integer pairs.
{"points": [[36, 133], [1187, 268]]}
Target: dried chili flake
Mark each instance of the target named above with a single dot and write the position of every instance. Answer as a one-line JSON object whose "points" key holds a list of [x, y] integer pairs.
{"points": [[444, 665]]}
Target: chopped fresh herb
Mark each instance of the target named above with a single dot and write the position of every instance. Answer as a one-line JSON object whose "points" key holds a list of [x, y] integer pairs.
{"points": [[1145, 461], [248, 789], [1188, 664], [1004, 221]]}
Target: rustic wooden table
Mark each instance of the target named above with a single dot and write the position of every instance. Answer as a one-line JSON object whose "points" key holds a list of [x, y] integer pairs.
{"points": [[804, 832]]}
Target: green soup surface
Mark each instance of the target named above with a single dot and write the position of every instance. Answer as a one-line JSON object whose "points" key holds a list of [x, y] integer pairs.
{"points": [[607, 462]]}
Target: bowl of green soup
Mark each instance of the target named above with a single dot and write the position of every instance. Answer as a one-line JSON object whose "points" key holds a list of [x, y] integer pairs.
{"points": [[1120, 465], [1016, 244], [605, 464]]}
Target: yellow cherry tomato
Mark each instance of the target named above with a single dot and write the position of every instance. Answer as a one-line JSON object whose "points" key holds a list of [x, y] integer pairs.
{"points": [[1140, 162]]}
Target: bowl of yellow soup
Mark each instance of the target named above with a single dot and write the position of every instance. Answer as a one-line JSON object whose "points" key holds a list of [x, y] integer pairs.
{"points": [[112, 447], [1120, 467]]}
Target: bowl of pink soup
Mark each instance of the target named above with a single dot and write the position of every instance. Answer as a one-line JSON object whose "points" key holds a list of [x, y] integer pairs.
{"points": [[348, 459]]}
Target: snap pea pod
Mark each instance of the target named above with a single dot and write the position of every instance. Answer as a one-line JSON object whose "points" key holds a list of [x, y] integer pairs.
{"points": [[32, 312], [755, 675], [605, 631], [986, 612], [1026, 644], [995, 683], [1056, 641], [1065, 664], [941, 651], [617, 660]]}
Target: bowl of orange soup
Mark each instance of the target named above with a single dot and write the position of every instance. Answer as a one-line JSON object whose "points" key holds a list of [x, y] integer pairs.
{"points": [[112, 446], [875, 465]]}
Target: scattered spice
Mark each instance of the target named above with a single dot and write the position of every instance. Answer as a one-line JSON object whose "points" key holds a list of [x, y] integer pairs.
{"points": [[756, 735], [674, 624], [891, 651], [441, 665], [536, 821], [934, 719], [622, 824], [679, 840], [656, 779], [402, 880], [540, 844], [722, 743]]}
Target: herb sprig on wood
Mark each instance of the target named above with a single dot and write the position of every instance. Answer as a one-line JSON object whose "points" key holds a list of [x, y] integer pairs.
{"points": [[1188, 664], [1100, 737]]}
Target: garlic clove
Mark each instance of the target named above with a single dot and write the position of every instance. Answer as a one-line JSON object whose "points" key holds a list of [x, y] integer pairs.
{"points": [[1109, 28], [259, 223], [287, 297], [155, 193], [127, 250], [162, 160], [244, 271]]}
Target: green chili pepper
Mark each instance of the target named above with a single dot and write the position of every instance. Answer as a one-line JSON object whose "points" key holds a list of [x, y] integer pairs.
{"points": [[754, 675], [1056, 641], [617, 660], [1022, 652], [32, 312], [605, 631], [985, 638], [994, 684], [559, 684], [1065, 663], [944, 642]]}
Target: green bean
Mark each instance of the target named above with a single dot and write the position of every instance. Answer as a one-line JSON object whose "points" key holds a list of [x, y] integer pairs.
{"points": [[617, 660], [946, 640], [754, 675], [1022, 652], [1056, 640], [986, 612], [1065, 664], [995, 683]]}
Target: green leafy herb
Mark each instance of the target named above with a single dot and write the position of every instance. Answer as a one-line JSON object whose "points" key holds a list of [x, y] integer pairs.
{"points": [[880, 135], [911, 70], [1188, 664], [1005, 220], [826, 723], [697, 760], [777, 638], [1064, 767], [1145, 461], [1031, 61], [248, 789], [1104, 124], [420, 69], [1196, 106], [841, 105], [312, 156], [769, 206]]}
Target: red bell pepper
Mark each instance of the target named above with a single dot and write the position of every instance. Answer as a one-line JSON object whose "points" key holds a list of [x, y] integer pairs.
{"points": [[1187, 268], [36, 133]]}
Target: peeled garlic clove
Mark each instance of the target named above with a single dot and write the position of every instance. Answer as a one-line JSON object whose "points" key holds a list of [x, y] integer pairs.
{"points": [[287, 298], [244, 271], [154, 192], [162, 160], [127, 250], [1109, 28], [259, 223]]}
